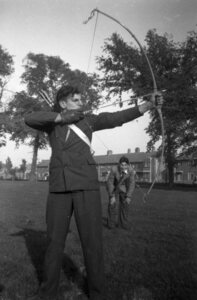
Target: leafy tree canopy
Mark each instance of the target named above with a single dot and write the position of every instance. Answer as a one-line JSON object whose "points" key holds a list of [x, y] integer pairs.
{"points": [[6, 69]]}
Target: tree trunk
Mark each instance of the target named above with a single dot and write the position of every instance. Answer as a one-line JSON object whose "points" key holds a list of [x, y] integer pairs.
{"points": [[170, 160], [33, 175], [171, 173], [2, 90]]}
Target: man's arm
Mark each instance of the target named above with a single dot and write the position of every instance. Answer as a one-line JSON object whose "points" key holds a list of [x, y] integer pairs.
{"points": [[111, 120], [41, 120], [45, 120]]}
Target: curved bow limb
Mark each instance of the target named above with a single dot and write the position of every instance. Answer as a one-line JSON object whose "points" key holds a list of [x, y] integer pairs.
{"points": [[155, 91], [161, 157], [96, 10]]}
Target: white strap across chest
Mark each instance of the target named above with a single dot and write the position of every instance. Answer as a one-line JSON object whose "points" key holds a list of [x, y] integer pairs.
{"points": [[80, 134]]}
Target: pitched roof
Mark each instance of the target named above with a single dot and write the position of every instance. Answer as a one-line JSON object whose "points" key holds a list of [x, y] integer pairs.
{"points": [[114, 158]]}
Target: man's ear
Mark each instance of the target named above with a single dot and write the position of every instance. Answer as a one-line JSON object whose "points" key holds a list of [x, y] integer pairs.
{"points": [[63, 104]]}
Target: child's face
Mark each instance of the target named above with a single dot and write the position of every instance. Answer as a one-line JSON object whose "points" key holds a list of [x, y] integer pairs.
{"points": [[124, 167]]}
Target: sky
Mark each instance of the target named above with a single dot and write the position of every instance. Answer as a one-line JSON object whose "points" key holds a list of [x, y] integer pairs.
{"points": [[55, 27]]}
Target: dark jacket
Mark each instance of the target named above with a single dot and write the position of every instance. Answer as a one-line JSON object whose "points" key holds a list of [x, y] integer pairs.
{"points": [[72, 166], [116, 184]]}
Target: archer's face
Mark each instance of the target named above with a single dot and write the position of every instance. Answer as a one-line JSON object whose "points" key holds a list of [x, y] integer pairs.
{"points": [[124, 167], [71, 102]]}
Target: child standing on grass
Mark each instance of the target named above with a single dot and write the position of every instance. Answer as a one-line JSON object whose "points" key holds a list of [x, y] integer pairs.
{"points": [[120, 186]]}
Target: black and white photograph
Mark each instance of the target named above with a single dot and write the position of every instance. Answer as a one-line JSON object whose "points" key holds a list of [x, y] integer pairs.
{"points": [[98, 149]]}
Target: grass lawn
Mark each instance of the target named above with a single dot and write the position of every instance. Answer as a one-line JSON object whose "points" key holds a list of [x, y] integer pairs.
{"points": [[156, 259]]}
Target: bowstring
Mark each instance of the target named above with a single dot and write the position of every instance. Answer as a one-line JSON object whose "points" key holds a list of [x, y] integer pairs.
{"points": [[87, 71], [90, 54]]}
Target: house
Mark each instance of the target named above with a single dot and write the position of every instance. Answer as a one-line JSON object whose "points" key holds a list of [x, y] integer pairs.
{"points": [[185, 170], [43, 170]]}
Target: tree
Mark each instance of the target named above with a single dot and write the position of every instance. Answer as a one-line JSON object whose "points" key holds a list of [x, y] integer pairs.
{"points": [[189, 64], [44, 73], [125, 70], [177, 76], [8, 165], [6, 69], [23, 167], [3, 120], [122, 66]]}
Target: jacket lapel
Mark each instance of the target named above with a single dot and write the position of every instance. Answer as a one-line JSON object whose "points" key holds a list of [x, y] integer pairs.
{"points": [[61, 132]]}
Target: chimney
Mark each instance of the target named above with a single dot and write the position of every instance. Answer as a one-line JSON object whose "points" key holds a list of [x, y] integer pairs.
{"points": [[137, 150], [129, 150], [109, 152]]}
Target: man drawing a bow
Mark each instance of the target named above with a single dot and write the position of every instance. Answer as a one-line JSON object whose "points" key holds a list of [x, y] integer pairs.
{"points": [[74, 186]]}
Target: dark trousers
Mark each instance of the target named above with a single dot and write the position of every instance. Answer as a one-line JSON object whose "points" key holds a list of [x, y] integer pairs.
{"points": [[118, 213], [88, 215]]}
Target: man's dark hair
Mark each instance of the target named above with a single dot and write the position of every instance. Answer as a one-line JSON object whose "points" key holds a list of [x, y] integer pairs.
{"points": [[64, 92], [124, 159]]}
